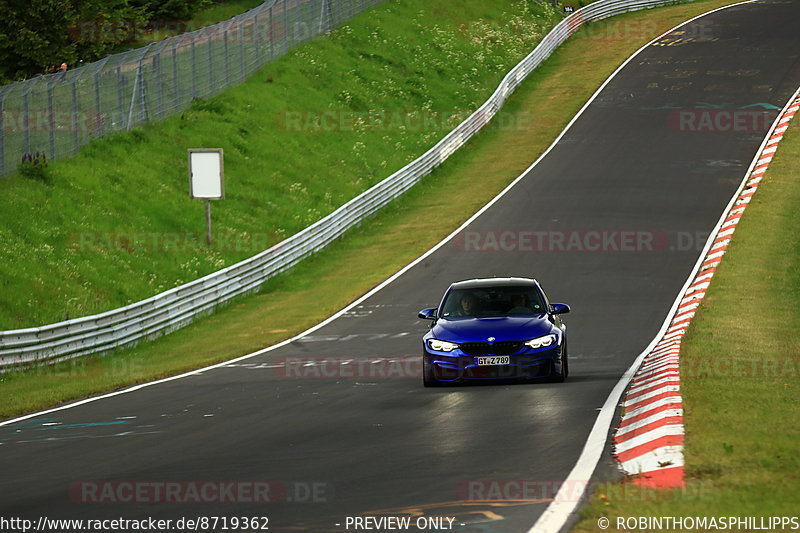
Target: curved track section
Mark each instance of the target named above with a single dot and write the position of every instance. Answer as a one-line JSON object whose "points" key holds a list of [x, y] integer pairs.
{"points": [[337, 424]]}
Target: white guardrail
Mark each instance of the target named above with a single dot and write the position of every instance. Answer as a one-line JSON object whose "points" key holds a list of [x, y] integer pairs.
{"points": [[177, 307]]}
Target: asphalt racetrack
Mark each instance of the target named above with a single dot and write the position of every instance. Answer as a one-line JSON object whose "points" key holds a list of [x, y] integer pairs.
{"points": [[610, 222]]}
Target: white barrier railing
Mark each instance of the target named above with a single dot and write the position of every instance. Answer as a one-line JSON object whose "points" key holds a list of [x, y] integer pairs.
{"points": [[177, 307]]}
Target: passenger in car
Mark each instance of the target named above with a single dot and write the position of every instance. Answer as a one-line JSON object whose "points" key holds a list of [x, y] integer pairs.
{"points": [[518, 305]]}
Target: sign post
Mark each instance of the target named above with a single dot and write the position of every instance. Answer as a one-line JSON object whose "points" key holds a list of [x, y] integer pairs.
{"points": [[206, 179]]}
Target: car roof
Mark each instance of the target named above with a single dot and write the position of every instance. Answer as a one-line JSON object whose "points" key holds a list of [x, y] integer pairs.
{"points": [[493, 282]]}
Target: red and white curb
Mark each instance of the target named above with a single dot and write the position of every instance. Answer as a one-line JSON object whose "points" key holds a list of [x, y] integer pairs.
{"points": [[648, 443]]}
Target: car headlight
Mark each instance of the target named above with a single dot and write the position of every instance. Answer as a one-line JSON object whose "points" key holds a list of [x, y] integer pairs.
{"points": [[541, 342], [441, 346]]}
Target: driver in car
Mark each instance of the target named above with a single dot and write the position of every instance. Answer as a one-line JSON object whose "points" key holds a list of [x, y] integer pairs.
{"points": [[467, 306]]}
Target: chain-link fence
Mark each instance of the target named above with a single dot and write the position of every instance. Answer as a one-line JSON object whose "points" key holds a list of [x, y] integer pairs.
{"points": [[58, 113]]}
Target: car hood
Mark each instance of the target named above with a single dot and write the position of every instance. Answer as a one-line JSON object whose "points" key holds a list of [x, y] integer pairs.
{"points": [[479, 329]]}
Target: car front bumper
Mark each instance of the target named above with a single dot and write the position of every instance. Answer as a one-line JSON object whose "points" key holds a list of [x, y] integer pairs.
{"points": [[458, 367]]}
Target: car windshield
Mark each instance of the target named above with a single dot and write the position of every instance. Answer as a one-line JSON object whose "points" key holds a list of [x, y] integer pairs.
{"points": [[493, 301]]}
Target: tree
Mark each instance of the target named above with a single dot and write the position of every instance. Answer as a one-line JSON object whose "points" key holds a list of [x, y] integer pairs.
{"points": [[35, 38], [39, 35]]}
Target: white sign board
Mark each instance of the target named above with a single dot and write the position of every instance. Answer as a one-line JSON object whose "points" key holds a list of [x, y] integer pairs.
{"points": [[206, 175]]}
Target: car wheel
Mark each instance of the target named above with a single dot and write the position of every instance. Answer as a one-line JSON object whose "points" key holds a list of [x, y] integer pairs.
{"points": [[560, 378], [430, 382], [427, 375]]}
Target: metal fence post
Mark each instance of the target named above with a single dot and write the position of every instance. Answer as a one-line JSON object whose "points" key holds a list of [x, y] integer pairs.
{"points": [[322, 17], [241, 34], [257, 40], [120, 96], [133, 94], [76, 144], [176, 93], [159, 84], [194, 71], [51, 120], [145, 116], [2, 129], [26, 123], [97, 101], [210, 68], [271, 35], [308, 31], [226, 59], [285, 26]]}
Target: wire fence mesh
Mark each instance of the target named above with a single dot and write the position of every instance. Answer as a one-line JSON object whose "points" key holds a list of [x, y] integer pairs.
{"points": [[58, 113]]}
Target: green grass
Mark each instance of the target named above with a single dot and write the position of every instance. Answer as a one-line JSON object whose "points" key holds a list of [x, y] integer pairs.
{"points": [[532, 118], [115, 225], [740, 373]]}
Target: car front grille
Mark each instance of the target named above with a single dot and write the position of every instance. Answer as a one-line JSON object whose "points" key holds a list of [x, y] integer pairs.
{"points": [[495, 348]]}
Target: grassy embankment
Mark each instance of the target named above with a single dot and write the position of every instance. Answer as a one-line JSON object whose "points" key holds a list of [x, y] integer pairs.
{"points": [[114, 224]]}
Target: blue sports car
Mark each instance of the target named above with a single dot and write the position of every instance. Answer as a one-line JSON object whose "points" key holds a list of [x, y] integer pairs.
{"points": [[494, 328]]}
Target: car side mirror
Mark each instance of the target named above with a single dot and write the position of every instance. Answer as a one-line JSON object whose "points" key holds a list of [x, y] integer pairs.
{"points": [[428, 314], [559, 309]]}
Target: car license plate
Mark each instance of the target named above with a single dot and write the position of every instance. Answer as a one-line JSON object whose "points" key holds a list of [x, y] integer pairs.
{"points": [[493, 360]]}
